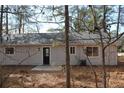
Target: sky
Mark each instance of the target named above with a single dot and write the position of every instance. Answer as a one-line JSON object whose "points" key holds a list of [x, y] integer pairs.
{"points": [[62, 2], [45, 26]]}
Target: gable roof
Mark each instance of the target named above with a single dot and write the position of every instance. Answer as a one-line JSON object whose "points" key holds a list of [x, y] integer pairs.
{"points": [[49, 38]]}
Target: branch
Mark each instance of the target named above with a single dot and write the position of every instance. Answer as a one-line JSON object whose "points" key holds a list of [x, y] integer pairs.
{"points": [[119, 36], [94, 72], [119, 10], [19, 64], [94, 15]]}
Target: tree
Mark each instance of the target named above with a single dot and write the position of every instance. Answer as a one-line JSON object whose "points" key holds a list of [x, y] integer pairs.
{"points": [[1, 23], [106, 38], [68, 85], [7, 19], [1, 29], [98, 20], [21, 18]]}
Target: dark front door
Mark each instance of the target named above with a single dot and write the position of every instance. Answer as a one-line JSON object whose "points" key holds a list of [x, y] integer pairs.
{"points": [[46, 55]]}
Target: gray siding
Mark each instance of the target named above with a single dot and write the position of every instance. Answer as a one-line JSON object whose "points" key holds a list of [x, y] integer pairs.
{"points": [[31, 55], [58, 55], [23, 56], [110, 56]]}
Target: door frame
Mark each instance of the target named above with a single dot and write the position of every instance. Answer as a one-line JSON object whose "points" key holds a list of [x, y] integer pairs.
{"points": [[49, 54]]}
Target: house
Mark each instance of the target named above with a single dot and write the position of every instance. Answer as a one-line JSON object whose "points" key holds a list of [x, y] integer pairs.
{"points": [[121, 57], [49, 49]]}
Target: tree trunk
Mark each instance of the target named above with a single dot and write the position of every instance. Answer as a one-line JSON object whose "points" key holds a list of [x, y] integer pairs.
{"points": [[94, 72], [103, 60], [7, 19], [23, 25], [119, 11], [103, 49], [68, 85], [78, 19], [20, 24], [104, 68], [1, 28], [1, 23]]}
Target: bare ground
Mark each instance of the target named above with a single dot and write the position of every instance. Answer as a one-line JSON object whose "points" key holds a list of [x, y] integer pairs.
{"points": [[82, 76]]}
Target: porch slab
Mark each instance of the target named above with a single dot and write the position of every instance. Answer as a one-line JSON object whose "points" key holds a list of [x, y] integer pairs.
{"points": [[47, 68]]}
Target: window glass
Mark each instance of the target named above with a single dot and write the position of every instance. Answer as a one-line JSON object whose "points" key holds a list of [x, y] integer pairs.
{"points": [[72, 50], [95, 51], [92, 51], [47, 51], [9, 50], [89, 51]]}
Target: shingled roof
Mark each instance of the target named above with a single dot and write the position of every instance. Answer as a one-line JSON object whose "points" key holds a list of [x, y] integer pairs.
{"points": [[49, 38]]}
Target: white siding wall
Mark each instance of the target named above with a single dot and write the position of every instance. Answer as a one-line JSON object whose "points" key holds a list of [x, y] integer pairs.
{"points": [[74, 58], [23, 55], [57, 56], [80, 55], [110, 56]]}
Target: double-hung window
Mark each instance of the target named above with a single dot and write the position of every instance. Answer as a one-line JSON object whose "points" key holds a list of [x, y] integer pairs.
{"points": [[72, 50], [9, 50], [92, 51]]}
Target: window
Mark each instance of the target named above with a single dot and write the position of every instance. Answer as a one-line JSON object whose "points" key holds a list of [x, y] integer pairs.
{"points": [[92, 51], [47, 52], [9, 50], [72, 50]]}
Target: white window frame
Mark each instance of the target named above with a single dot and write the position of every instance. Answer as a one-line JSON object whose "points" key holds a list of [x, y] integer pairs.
{"points": [[9, 53], [92, 51], [72, 50]]}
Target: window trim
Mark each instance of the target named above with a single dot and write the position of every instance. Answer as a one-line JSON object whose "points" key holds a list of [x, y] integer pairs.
{"points": [[9, 47], [70, 50], [92, 51]]}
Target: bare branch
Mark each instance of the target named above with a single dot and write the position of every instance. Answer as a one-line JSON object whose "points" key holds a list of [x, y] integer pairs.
{"points": [[119, 10]]}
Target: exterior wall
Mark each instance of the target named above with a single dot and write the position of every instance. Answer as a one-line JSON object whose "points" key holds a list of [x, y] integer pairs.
{"points": [[57, 55], [94, 60], [31, 55], [23, 55], [75, 58], [110, 56]]}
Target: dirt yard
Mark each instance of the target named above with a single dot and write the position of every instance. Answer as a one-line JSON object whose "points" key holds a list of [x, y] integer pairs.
{"points": [[82, 76]]}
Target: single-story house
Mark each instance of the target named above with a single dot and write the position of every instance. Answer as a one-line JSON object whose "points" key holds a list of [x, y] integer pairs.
{"points": [[49, 49]]}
